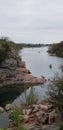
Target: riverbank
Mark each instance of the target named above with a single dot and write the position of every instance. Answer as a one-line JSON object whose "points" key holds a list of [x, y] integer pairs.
{"points": [[56, 49], [42, 116]]}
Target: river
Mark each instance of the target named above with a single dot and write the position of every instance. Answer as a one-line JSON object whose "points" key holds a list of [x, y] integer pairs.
{"points": [[37, 61]]}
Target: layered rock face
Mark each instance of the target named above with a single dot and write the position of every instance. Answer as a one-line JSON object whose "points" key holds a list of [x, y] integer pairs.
{"points": [[13, 71]]}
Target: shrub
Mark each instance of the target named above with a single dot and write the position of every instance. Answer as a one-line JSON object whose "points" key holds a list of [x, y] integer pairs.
{"points": [[55, 91], [6, 47], [57, 49], [31, 97], [16, 117], [60, 128], [3, 55]]}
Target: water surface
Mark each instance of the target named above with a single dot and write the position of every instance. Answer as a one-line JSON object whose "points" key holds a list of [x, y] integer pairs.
{"points": [[37, 61]]}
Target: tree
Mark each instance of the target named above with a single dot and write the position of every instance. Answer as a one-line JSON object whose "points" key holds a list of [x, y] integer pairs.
{"points": [[6, 47], [55, 91]]}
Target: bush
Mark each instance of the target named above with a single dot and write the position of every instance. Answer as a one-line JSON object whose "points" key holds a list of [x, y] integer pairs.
{"points": [[3, 55], [17, 118], [31, 97], [6, 47], [55, 91], [57, 49]]}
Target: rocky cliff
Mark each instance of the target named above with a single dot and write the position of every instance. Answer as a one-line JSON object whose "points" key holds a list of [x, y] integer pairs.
{"points": [[13, 70]]}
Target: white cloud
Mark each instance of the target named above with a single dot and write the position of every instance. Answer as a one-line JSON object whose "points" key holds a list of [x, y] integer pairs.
{"points": [[32, 20]]}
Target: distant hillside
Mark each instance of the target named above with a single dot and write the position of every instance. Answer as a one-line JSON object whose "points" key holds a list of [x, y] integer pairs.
{"points": [[5, 40], [7, 49], [20, 45], [56, 49]]}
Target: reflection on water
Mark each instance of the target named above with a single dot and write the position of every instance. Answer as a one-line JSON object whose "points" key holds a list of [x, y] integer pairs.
{"points": [[39, 91], [37, 61], [9, 93], [39, 65]]}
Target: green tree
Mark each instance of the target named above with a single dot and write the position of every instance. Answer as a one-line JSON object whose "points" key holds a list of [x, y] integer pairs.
{"points": [[57, 49], [55, 91], [6, 47]]}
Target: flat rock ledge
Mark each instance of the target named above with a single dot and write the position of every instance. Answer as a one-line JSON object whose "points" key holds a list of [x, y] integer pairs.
{"points": [[20, 75], [29, 78]]}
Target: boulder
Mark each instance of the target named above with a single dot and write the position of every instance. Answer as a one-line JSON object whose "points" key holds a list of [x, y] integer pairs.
{"points": [[43, 107], [1, 109], [9, 107]]}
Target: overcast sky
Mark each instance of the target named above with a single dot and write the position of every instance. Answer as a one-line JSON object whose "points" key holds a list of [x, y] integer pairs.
{"points": [[35, 21]]}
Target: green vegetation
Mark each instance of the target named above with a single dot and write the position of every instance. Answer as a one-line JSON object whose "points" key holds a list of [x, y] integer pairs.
{"points": [[17, 118], [5, 48], [17, 46], [60, 128], [3, 129], [21, 128], [57, 49], [31, 45], [3, 55], [55, 91], [6, 42], [30, 98]]}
